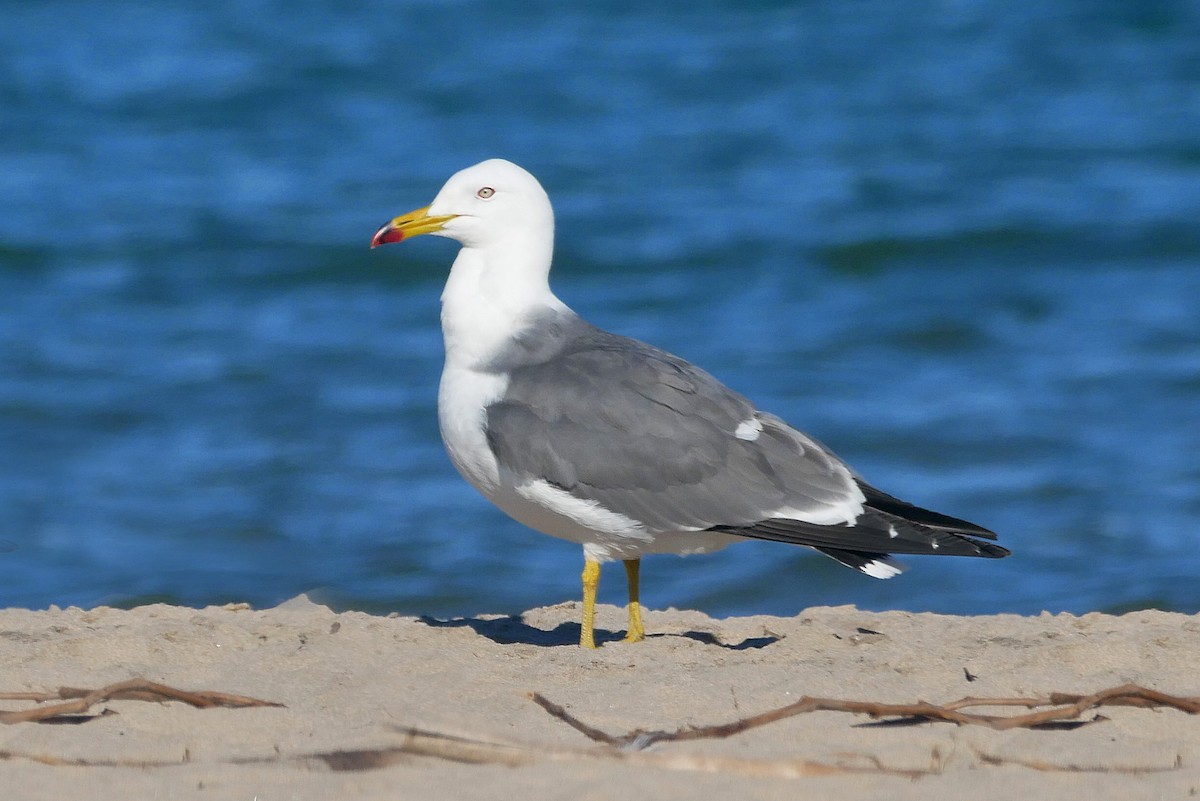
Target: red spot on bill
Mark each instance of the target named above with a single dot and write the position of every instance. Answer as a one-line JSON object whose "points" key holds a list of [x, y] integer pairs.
{"points": [[386, 235]]}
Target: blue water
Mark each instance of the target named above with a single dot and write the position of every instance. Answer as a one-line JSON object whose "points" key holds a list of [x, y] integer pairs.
{"points": [[956, 241]]}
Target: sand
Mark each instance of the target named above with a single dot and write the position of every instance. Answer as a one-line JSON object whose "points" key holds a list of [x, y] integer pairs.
{"points": [[353, 685]]}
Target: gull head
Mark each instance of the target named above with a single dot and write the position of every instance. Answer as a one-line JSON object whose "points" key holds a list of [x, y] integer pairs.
{"points": [[480, 206]]}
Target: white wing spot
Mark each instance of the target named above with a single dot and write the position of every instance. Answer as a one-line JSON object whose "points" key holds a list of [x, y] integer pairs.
{"points": [[892, 532], [748, 429], [877, 568]]}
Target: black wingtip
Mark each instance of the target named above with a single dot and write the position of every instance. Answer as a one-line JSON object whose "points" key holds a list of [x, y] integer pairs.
{"points": [[874, 532], [990, 550], [889, 504]]}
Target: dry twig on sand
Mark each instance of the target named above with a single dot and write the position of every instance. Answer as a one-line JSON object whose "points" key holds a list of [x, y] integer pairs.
{"points": [[131, 690], [1062, 707], [1051, 710]]}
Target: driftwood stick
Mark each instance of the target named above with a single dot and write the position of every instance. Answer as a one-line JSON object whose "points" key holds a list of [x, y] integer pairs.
{"points": [[1061, 707], [1054, 767], [82, 700]]}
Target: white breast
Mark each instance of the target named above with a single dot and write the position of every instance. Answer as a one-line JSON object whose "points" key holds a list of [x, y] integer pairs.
{"points": [[463, 397]]}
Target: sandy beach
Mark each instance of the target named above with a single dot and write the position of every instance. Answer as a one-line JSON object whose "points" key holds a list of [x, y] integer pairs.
{"points": [[389, 707]]}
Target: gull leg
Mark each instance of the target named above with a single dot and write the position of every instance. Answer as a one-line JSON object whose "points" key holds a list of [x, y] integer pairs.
{"points": [[635, 633], [591, 580]]}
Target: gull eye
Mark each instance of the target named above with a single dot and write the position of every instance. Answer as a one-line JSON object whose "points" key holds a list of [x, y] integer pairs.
{"points": [[485, 193]]}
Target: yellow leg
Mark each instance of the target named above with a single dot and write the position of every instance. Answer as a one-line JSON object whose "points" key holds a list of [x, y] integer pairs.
{"points": [[635, 633], [591, 580]]}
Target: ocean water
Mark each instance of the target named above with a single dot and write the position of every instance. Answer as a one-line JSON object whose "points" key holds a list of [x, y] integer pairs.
{"points": [[956, 241]]}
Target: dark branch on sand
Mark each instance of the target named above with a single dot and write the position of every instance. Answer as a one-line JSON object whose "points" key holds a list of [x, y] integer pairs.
{"points": [[1060, 708], [131, 690]]}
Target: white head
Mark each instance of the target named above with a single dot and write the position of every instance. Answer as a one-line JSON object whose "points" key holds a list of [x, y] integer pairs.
{"points": [[485, 206], [502, 217]]}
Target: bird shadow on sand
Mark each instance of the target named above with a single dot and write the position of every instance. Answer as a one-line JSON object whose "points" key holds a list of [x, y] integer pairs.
{"points": [[512, 630]]}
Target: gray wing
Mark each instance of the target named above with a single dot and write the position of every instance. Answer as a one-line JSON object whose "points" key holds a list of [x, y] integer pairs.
{"points": [[652, 437]]}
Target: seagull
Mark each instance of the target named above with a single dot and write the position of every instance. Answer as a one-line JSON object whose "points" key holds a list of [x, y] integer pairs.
{"points": [[615, 444]]}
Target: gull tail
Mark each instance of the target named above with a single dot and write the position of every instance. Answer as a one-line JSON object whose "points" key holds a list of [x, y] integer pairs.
{"points": [[875, 565]]}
